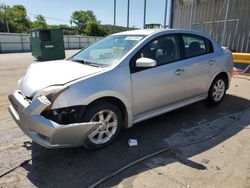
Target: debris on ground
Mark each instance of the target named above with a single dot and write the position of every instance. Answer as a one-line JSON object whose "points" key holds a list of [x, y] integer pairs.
{"points": [[217, 168], [132, 142], [205, 161]]}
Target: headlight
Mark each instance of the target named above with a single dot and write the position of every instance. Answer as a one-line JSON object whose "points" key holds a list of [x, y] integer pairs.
{"points": [[51, 92], [67, 115]]}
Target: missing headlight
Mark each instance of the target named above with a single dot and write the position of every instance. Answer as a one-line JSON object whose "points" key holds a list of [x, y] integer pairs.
{"points": [[66, 115]]}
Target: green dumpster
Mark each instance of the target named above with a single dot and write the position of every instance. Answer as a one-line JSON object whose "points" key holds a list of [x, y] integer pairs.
{"points": [[47, 44]]}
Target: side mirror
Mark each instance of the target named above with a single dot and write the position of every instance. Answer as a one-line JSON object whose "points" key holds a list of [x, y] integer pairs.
{"points": [[144, 62]]}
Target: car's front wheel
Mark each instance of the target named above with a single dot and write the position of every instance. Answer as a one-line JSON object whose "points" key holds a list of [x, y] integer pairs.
{"points": [[217, 90], [111, 123]]}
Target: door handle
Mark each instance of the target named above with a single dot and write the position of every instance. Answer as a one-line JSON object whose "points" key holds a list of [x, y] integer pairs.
{"points": [[211, 61], [179, 72]]}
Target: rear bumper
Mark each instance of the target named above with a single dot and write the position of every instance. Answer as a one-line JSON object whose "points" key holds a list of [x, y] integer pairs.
{"points": [[43, 131]]}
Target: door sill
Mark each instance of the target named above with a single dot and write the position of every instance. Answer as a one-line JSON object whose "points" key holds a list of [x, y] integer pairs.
{"points": [[167, 108]]}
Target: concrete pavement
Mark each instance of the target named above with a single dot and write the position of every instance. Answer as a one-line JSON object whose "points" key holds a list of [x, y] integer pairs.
{"points": [[220, 159]]}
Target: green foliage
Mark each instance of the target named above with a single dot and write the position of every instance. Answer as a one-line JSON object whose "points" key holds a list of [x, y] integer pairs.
{"points": [[49, 26], [17, 19], [93, 28], [110, 29], [40, 23], [2, 20], [85, 21], [53, 26], [81, 19], [65, 28]]}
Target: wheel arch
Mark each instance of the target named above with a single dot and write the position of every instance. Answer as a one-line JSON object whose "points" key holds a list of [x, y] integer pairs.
{"points": [[119, 103], [222, 74]]}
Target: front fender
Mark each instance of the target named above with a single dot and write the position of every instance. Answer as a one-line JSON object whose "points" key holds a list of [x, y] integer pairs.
{"points": [[115, 83]]}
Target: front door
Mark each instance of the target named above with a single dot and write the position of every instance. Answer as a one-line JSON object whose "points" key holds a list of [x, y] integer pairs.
{"points": [[161, 85]]}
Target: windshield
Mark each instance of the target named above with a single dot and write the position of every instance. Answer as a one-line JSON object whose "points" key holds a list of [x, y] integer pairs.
{"points": [[107, 51]]}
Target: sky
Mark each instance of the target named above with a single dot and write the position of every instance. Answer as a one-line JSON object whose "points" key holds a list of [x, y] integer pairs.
{"points": [[103, 9]]}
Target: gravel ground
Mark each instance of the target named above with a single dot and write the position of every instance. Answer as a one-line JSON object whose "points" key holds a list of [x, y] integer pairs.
{"points": [[216, 151]]}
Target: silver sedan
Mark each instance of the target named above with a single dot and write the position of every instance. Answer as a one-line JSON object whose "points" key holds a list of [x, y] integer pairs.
{"points": [[116, 82]]}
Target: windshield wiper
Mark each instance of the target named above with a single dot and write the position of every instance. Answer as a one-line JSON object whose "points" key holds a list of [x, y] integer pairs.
{"points": [[92, 64], [79, 61], [86, 62]]}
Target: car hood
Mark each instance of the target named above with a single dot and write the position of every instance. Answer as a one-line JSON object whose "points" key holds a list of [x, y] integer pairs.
{"points": [[43, 74]]}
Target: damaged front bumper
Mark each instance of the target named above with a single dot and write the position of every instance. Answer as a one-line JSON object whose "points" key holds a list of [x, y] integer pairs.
{"points": [[27, 114]]}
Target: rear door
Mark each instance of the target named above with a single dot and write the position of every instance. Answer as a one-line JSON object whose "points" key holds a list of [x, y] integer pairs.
{"points": [[200, 63]]}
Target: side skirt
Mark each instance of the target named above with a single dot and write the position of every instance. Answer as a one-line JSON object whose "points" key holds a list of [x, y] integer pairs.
{"points": [[167, 108]]}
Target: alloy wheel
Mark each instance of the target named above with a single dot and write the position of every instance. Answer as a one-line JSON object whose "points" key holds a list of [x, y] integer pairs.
{"points": [[218, 90], [107, 128]]}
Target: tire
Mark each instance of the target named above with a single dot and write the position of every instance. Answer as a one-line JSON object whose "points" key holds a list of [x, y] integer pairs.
{"points": [[111, 117], [217, 91]]}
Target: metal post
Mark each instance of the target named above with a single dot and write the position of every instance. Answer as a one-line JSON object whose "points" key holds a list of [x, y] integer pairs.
{"points": [[191, 15], [88, 41], [144, 18], [21, 37], [165, 15], [225, 24], [68, 43], [114, 11], [171, 5], [128, 14], [79, 42]]}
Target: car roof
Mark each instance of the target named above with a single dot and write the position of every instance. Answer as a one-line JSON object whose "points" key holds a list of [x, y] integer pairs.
{"points": [[147, 32], [140, 32], [153, 31]]}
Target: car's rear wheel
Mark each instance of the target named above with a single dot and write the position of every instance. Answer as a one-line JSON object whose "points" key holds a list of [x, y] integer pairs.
{"points": [[217, 91], [111, 123]]}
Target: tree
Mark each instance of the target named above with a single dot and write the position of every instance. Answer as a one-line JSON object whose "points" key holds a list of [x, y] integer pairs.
{"points": [[93, 28], [40, 22], [110, 29], [2, 19], [81, 19], [16, 17]]}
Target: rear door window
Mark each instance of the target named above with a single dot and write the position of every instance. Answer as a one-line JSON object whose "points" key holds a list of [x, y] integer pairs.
{"points": [[195, 45]]}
